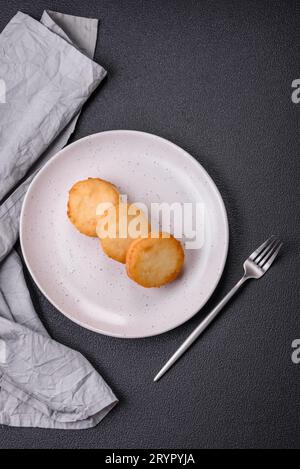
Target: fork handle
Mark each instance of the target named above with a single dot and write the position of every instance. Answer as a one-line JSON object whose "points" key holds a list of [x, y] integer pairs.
{"points": [[200, 328], [211, 316]]}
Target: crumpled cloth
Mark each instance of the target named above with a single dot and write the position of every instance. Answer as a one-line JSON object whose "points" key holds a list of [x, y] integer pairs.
{"points": [[49, 73]]}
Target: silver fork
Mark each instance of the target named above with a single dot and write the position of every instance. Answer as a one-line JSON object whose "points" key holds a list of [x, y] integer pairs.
{"points": [[254, 267]]}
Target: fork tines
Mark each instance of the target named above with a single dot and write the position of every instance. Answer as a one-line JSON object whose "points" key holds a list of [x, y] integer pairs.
{"points": [[266, 253]]}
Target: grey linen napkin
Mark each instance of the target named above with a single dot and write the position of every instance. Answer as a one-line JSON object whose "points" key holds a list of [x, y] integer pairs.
{"points": [[49, 74]]}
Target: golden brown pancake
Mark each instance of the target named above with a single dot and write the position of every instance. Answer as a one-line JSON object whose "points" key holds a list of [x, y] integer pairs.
{"points": [[153, 262], [119, 227], [84, 199]]}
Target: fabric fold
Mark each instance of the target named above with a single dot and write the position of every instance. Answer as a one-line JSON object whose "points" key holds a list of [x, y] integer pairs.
{"points": [[49, 74], [47, 82]]}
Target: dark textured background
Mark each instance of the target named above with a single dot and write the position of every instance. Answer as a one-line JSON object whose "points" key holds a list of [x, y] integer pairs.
{"points": [[214, 77]]}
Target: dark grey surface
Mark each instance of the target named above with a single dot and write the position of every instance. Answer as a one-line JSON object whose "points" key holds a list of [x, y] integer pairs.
{"points": [[214, 77]]}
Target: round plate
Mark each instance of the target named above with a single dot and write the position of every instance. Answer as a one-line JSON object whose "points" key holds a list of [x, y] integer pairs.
{"points": [[71, 269]]}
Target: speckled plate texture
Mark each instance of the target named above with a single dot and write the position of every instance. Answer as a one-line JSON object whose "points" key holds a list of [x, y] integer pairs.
{"points": [[71, 269]]}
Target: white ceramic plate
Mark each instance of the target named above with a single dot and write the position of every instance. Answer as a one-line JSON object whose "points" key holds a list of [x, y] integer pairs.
{"points": [[70, 268]]}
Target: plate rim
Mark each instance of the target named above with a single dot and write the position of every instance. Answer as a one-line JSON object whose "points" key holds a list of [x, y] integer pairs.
{"points": [[191, 159]]}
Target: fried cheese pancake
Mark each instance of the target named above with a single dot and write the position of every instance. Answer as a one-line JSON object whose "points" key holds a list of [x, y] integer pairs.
{"points": [[154, 261], [84, 200]]}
